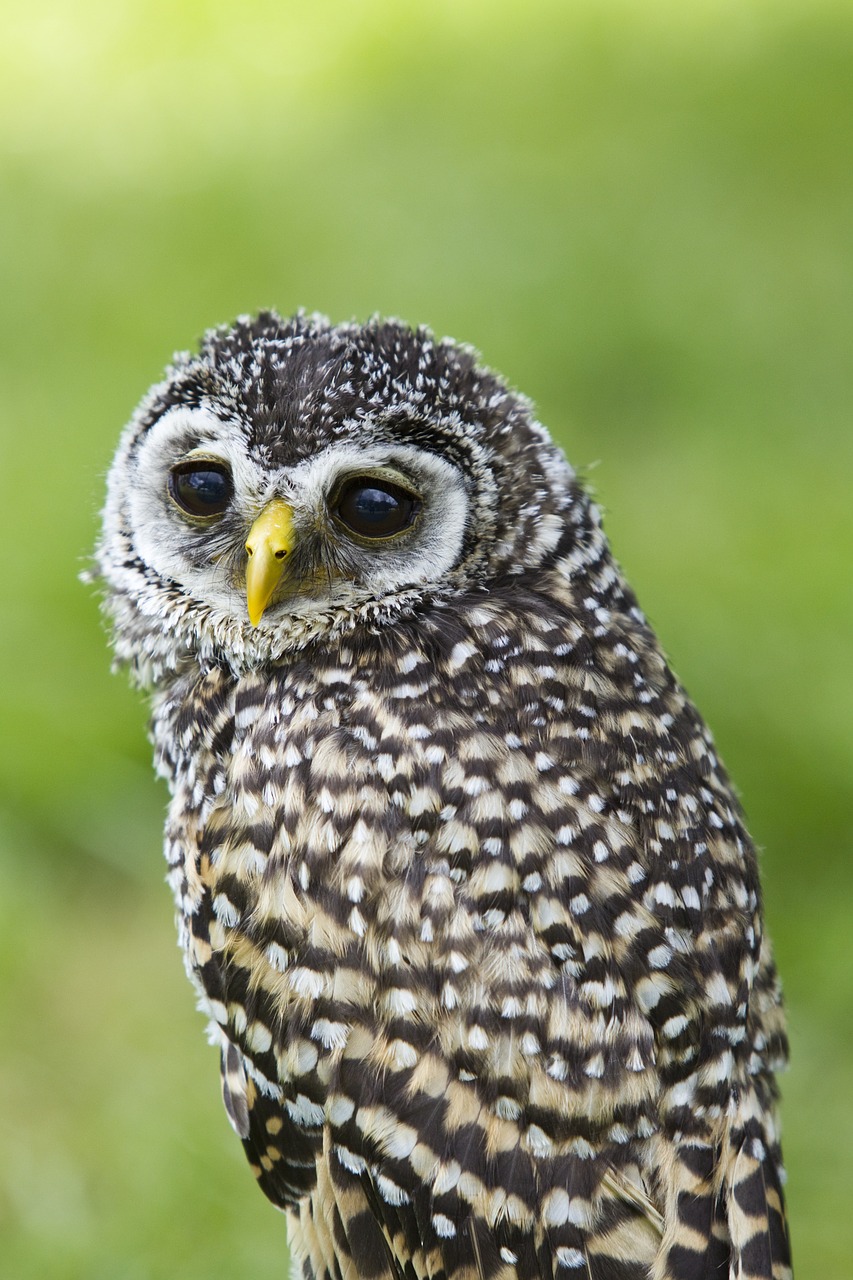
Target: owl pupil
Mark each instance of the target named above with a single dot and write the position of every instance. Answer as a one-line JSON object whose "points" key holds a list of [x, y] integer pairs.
{"points": [[375, 508], [201, 488]]}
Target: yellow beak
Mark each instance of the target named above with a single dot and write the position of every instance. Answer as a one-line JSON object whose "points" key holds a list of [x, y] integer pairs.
{"points": [[268, 545]]}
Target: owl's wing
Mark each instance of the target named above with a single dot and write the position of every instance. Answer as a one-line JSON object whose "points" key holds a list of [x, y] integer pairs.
{"points": [[753, 1179], [716, 1008], [280, 1154], [234, 1087]]}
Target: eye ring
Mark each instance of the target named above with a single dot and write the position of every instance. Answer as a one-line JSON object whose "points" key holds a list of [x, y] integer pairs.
{"points": [[374, 508], [201, 488]]}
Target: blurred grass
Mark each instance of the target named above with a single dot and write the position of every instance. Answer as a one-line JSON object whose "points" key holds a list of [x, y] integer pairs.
{"points": [[641, 213]]}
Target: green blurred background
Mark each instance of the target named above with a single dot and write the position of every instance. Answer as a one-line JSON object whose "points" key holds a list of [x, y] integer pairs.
{"points": [[641, 212]]}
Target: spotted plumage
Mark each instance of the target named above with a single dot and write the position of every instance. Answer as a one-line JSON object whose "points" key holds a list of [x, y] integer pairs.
{"points": [[462, 884]]}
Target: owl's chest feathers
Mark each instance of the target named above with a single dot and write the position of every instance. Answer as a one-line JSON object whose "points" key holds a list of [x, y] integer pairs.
{"points": [[417, 860]]}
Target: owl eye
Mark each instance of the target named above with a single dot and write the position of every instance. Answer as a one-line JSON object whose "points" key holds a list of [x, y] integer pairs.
{"points": [[201, 487], [375, 508]]}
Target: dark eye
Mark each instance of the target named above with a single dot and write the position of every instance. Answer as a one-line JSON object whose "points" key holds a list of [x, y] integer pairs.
{"points": [[201, 488], [376, 509]]}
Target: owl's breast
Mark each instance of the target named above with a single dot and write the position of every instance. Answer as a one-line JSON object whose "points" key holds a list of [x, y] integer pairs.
{"points": [[433, 905], [390, 878]]}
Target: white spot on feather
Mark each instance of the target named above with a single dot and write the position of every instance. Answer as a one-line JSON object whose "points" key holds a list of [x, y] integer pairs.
{"points": [[570, 1258], [443, 1226]]}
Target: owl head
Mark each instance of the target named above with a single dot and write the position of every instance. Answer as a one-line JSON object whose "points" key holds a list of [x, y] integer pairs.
{"points": [[296, 480]]}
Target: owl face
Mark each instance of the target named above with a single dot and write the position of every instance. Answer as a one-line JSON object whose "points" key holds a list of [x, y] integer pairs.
{"points": [[268, 544], [296, 479]]}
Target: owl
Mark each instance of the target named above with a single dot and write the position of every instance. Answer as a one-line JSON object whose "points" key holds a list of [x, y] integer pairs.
{"points": [[462, 884]]}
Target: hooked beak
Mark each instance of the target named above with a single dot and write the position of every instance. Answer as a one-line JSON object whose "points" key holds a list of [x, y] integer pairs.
{"points": [[268, 545]]}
